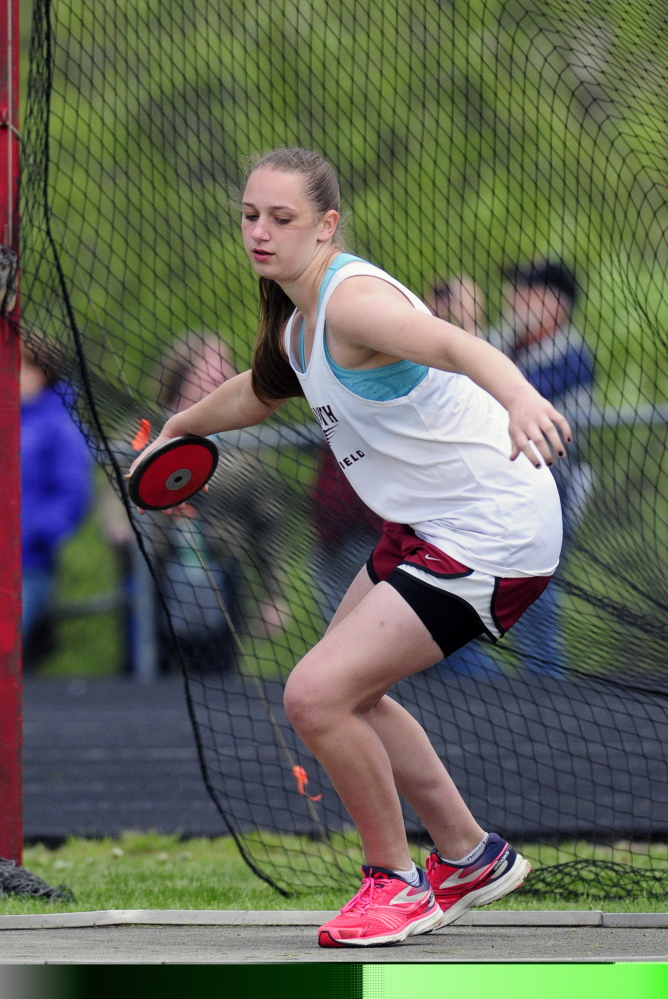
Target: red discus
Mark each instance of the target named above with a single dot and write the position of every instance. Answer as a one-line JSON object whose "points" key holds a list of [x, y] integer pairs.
{"points": [[173, 473]]}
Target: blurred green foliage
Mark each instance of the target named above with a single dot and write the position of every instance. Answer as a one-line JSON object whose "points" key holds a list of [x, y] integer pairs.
{"points": [[464, 135]]}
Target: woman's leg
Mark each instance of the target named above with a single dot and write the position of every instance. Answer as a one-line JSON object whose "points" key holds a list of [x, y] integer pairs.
{"points": [[419, 774], [421, 778], [358, 589], [332, 698], [335, 568]]}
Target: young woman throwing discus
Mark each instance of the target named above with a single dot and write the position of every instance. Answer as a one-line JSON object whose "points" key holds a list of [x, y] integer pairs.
{"points": [[442, 437]]}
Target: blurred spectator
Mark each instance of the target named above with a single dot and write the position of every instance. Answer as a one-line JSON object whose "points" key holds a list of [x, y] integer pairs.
{"points": [[56, 483], [459, 301], [238, 523], [193, 367], [347, 532], [539, 335], [553, 356]]}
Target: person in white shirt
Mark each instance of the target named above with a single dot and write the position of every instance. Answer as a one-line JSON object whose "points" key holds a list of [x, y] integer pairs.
{"points": [[441, 436]]}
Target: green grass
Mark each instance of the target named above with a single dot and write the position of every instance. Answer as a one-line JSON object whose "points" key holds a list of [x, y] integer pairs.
{"points": [[151, 871]]}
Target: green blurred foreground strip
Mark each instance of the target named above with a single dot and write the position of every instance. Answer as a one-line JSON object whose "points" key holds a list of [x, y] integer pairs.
{"points": [[230, 981], [359, 981], [508, 981]]}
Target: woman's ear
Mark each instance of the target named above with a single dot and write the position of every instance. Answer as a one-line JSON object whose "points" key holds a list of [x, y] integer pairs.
{"points": [[328, 224]]}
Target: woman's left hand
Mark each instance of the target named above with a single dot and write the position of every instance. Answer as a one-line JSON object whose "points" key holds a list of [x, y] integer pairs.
{"points": [[534, 420]]}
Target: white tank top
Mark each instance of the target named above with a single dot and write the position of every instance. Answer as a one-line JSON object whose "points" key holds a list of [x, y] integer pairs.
{"points": [[436, 459]]}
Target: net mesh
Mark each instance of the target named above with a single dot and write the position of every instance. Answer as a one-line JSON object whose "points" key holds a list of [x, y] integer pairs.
{"points": [[16, 880], [467, 138]]}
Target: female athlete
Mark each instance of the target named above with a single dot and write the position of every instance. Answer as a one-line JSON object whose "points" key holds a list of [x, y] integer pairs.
{"points": [[441, 436]]}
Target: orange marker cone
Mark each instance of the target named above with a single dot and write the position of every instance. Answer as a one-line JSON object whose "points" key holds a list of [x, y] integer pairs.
{"points": [[143, 435], [302, 781]]}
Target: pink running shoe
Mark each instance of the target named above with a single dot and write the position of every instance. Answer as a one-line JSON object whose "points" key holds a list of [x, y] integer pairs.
{"points": [[457, 889], [385, 910]]}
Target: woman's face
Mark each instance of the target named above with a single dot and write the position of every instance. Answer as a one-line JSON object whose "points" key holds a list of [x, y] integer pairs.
{"points": [[280, 229]]}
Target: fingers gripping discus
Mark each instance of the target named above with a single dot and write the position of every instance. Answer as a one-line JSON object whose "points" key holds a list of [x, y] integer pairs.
{"points": [[173, 472]]}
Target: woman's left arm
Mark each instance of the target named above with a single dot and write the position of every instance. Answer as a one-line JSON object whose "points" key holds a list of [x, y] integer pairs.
{"points": [[380, 320]]}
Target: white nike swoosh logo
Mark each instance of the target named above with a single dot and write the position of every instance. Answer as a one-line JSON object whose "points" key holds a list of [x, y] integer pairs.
{"points": [[404, 896], [432, 559]]}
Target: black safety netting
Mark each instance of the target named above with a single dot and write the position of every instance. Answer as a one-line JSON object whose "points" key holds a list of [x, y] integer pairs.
{"points": [[16, 880], [476, 143]]}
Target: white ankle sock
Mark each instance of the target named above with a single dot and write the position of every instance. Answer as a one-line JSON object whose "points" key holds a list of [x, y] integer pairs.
{"points": [[412, 875], [476, 852]]}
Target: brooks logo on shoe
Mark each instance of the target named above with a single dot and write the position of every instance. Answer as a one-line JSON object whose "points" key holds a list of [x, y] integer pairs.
{"points": [[503, 859], [497, 872]]}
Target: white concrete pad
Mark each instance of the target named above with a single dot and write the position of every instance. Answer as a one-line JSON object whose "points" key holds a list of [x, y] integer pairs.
{"points": [[166, 917], [301, 917], [636, 920], [559, 917]]}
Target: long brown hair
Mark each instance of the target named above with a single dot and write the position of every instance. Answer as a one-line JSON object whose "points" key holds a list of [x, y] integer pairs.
{"points": [[272, 374]]}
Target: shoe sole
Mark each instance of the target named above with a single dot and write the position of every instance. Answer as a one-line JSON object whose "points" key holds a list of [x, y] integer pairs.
{"points": [[489, 893], [430, 922]]}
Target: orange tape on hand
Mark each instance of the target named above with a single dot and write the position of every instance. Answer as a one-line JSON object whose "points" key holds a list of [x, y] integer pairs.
{"points": [[302, 780], [143, 435]]}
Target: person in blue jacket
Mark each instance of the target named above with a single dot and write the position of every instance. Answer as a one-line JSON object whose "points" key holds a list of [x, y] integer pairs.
{"points": [[538, 334], [540, 337], [56, 481]]}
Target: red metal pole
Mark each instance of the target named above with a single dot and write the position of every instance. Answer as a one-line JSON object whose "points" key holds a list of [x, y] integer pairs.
{"points": [[11, 820]]}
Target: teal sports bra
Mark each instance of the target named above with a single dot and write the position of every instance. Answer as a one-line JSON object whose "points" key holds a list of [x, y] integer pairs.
{"points": [[392, 381]]}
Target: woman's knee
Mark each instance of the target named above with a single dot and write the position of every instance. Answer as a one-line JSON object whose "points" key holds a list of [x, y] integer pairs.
{"points": [[309, 704]]}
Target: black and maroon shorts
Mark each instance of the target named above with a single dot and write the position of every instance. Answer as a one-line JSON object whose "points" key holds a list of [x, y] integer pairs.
{"points": [[454, 602]]}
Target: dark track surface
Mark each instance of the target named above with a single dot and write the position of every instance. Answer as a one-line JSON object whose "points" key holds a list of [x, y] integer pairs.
{"points": [[106, 756]]}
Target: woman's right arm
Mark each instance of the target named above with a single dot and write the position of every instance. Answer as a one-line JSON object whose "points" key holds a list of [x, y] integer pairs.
{"points": [[232, 406]]}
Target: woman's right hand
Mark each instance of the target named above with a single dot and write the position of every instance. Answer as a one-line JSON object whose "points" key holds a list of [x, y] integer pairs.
{"points": [[536, 426], [160, 439]]}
